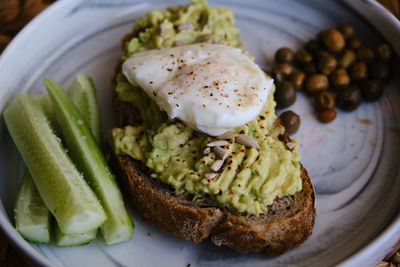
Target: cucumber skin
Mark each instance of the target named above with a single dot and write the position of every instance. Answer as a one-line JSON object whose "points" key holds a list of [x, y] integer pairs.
{"points": [[33, 227], [41, 150], [82, 92], [66, 240], [85, 152]]}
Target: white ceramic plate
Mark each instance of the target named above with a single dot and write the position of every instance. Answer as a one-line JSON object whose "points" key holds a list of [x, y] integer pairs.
{"points": [[353, 162]]}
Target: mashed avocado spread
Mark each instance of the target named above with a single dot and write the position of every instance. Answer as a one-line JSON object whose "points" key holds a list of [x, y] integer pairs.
{"points": [[250, 179]]}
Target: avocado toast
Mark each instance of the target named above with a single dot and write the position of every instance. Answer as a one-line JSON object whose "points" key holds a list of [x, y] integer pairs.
{"points": [[273, 210]]}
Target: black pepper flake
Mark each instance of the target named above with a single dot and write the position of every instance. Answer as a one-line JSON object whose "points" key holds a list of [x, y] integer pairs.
{"points": [[151, 82], [230, 162], [203, 162], [194, 152], [170, 93], [204, 105], [177, 105], [169, 69], [241, 132], [211, 94], [220, 192], [181, 145], [229, 167], [262, 117], [154, 93], [172, 55]]}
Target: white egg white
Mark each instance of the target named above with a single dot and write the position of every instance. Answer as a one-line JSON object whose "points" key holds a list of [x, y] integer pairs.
{"points": [[210, 87]]}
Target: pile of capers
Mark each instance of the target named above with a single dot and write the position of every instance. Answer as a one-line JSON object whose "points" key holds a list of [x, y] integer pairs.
{"points": [[335, 69]]}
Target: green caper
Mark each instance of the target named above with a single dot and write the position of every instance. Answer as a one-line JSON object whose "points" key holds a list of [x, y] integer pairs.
{"points": [[371, 90], [347, 30], [379, 70], [282, 71], [365, 54], [348, 98], [316, 83], [359, 71], [302, 57], [291, 121], [309, 68], [334, 40], [297, 79], [312, 46], [347, 58], [327, 64], [354, 43], [384, 52], [285, 95], [326, 116], [324, 101], [340, 78], [284, 55]]}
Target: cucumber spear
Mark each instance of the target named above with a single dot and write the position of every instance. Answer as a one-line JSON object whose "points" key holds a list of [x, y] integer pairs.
{"points": [[61, 186], [87, 155]]}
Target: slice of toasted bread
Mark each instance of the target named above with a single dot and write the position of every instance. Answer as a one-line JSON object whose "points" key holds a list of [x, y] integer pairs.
{"points": [[288, 222]]}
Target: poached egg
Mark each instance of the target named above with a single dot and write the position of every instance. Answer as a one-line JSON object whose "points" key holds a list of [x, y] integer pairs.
{"points": [[212, 88]]}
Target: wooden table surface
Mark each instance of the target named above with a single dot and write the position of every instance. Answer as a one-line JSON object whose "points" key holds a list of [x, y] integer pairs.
{"points": [[14, 14]]}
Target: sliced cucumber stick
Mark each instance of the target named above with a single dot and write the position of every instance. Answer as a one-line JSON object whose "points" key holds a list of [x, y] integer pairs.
{"points": [[45, 102], [86, 153], [67, 240], [61, 186], [32, 218], [83, 94]]}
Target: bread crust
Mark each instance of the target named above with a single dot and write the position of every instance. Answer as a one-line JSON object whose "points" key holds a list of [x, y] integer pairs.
{"points": [[288, 222]]}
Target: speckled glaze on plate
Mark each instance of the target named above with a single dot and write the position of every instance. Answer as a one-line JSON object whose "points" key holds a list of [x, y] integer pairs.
{"points": [[353, 162]]}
